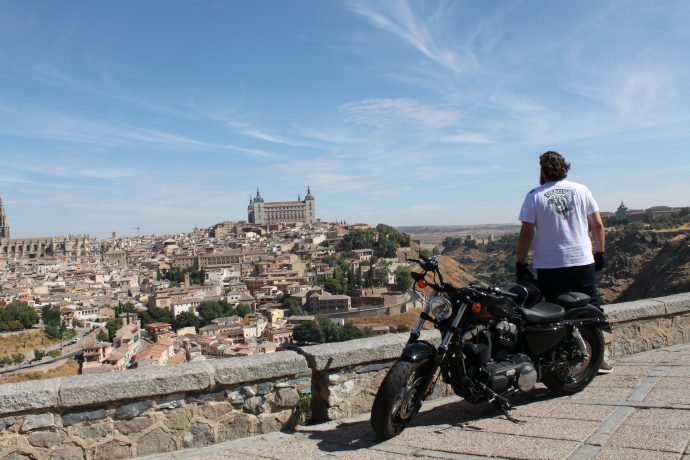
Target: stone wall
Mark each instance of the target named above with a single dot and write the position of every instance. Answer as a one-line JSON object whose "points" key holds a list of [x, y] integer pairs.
{"points": [[648, 324], [153, 410], [137, 412]]}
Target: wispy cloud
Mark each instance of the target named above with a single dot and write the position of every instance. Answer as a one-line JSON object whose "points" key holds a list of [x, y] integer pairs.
{"points": [[399, 18], [385, 113]]}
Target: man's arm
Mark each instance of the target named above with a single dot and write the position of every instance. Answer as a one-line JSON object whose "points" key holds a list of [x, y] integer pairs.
{"points": [[596, 226], [524, 241]]}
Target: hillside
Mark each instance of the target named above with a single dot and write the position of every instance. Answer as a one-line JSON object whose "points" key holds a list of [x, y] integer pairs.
{"points": [[646, 264]]}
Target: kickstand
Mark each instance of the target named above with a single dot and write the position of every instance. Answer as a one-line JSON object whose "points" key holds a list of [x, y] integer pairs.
{"points": [[505, 407]]}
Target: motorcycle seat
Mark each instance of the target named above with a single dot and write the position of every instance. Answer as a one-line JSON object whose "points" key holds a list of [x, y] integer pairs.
{"points": [[572, 300], [543, 312]]}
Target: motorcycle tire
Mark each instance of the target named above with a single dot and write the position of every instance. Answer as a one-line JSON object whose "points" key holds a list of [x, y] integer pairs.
{"points": [[582, 375], [399, 398]]}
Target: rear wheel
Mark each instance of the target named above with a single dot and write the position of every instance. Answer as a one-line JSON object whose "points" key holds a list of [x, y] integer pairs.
{"points": [[399, 398], [575, 373]]}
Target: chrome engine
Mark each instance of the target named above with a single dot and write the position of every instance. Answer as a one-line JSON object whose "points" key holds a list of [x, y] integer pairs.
{"points": [[517, 372]]}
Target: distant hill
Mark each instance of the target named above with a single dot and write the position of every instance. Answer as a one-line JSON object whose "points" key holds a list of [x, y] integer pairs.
{"points": [[433, 235]]}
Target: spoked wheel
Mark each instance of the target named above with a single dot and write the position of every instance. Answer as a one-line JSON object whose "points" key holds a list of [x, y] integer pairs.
{"points": [[399, 398], [571, 378]]}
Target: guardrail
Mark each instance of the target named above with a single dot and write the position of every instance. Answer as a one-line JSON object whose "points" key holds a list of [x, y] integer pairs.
{"points": [[155, 410]]}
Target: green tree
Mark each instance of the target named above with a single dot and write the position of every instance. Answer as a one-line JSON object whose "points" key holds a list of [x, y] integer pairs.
{"points": [[113, 325], [102, 336], [18, 358], [15, 325], [18, 312], [308, 332], [333, 286], [39, 354], [155, 315], [403, 278], [54, 353], [243, 310], [186, 319], [209, 310]]}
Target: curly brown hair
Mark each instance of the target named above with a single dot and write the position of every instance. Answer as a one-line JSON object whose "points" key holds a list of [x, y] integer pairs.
{"points": [[553, 166]]}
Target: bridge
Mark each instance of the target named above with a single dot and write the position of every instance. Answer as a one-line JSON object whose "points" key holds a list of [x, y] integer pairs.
{"points": [[195, 409]]}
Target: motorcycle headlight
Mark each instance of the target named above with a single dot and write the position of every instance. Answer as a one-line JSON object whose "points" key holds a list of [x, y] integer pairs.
{"points": [[440, 308]]}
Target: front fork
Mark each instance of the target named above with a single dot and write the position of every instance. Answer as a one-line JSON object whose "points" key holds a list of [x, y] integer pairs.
{"points": [[442, 348]]}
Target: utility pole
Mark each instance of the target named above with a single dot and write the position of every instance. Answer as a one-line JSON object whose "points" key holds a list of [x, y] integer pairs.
{"points": [[137, 229]]}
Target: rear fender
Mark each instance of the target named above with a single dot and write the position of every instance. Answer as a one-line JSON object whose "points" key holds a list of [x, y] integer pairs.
{"points": [[588, 316]]}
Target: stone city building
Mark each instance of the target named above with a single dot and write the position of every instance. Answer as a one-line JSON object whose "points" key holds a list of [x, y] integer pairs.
{"points": [[262, 212], [30, 248]]}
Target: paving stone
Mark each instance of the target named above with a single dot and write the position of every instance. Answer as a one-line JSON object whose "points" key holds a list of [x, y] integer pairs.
{"points": [[676, 419], [453, 439], [621, 453], [657, 438], [563, 429], [669, 395], [536, 448], [617, 380], [597, 413]]}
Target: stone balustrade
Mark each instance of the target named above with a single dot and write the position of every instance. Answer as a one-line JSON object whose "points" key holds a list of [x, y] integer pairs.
{"points": [[154, 410]]}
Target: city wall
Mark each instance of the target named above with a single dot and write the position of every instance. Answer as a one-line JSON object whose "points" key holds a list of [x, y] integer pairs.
{"points": [[155, 410]]}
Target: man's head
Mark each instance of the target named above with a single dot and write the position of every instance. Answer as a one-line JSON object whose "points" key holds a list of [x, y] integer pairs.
{"points": [[553, 167]]}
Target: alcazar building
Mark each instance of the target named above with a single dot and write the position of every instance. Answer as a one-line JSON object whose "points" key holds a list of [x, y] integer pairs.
{"points": [[262, 212], [30, 248]]}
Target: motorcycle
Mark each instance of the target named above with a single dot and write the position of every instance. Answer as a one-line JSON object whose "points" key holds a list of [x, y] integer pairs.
{"points": [[494, 344]]}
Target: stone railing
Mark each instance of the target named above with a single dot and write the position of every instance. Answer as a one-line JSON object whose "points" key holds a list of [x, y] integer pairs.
{"points": [[153, 410]]}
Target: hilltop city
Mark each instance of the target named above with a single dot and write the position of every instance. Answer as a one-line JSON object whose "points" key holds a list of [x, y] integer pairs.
{"points": [[234, 289]]}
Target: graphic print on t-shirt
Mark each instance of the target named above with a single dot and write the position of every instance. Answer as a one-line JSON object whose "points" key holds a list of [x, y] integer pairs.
{"points": [[562, 201]]}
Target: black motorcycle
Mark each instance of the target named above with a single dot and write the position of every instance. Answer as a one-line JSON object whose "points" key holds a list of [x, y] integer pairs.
{"points": [[493, 344]]}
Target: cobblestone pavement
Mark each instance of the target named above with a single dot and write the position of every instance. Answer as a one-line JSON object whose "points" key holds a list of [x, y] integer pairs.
{"points": [[641, 410]]}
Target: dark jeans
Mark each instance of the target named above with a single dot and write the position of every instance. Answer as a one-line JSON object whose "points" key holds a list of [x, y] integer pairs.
{"points": [[555, 281]]}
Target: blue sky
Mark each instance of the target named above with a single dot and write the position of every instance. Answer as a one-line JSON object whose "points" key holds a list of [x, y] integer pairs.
{"points": [[168, 114]]}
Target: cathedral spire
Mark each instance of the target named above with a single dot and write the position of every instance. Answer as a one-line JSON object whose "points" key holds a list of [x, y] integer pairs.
{"points": [[4, 226]]}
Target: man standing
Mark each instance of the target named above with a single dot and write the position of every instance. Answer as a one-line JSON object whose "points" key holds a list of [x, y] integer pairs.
{"points": [[559, 215]]}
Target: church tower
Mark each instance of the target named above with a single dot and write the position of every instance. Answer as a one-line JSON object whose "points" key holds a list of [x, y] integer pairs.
{"points": [[310, 211], [4, 226]]}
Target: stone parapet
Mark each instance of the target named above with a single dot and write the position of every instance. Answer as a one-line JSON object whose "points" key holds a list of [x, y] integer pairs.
{"points": [[156, 410]]}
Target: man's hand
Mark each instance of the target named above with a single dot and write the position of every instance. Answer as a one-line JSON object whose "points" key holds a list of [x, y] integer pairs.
{"points": [[521, 271], [599, 260]]}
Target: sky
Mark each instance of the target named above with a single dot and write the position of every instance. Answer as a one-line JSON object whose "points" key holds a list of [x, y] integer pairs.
{"points": [[167, 115]]}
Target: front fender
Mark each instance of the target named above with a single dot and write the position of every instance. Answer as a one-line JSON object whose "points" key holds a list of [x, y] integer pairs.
{"points": [[416, 352], [588, 315]]}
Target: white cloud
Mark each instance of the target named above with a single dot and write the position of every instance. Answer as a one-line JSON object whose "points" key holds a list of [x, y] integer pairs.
{"points": [[385, 113]]}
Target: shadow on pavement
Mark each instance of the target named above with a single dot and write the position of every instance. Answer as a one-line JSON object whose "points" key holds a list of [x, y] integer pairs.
{"points": [[352, 436]]}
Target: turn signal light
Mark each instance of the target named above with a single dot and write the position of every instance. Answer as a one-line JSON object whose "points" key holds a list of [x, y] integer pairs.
{"points": [[476, 308], [421, 284]]}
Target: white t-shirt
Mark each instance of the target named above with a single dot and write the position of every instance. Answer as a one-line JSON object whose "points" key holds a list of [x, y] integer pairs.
{"points": [[559, 213]]}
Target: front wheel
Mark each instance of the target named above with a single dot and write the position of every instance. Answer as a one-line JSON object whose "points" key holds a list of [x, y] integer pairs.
{"points": [[399, 398], [575, 374]]}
